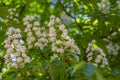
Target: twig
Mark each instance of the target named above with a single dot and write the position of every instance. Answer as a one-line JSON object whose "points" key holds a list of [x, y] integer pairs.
{"points": [[69, 15]]}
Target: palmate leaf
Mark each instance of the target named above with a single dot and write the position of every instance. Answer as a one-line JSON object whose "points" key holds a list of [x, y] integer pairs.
{"points": [[99, 75], [3, 11], [89, 70], [57, 70], [92, 72], [12, 75], [76, 67]]}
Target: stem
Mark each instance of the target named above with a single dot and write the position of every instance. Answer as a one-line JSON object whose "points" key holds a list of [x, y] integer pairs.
{"points": [[70, 15]]}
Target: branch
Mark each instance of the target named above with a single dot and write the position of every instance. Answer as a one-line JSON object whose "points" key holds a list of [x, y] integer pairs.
{"points": [[2, 63], [69, 15]]}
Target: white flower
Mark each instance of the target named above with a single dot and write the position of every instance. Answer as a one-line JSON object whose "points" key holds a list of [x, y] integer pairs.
{"points": [[27, 59], [62, 27], [102, 66], [113, 49], [9, 10], [6, 45], [52, 17], [100, 58], [21, 41], [17, 30], [38, 33], [105, 6], [54, 49], [19, 59], [17, 54], [15, 47], [37, 44], [29, 34], [89, 54], [24, 55], [89, 58], [46, 23], [57, 20], [13, 59], [58, 50], [32, 39], [29, 26], [36, 23], [89, 44], [58, 42], [52, 32], [52, 39], [14, 9], [10, 50], [42, 39], [17, 15], [11, 13], [4, 70], [118, 3], [35, 28], [26, 23], [96, 65], [55, 55], [14, 65], [68, 44], [15, 19], [30, 46], [97, 60], [61, 50]]}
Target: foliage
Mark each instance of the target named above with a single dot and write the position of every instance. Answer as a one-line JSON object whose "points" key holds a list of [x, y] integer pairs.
{"points": [[79, 39]]}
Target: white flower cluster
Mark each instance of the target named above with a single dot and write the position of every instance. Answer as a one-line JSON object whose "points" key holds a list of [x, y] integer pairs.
{"points": [[36, 34], [63, 42], [12, 16], [100, 59], [15, 54], [39, 36], [105, 6], [113, 49], [118, 3]]}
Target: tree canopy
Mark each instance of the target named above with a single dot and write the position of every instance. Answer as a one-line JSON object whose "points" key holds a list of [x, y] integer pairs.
{"points": [[59, 39]]}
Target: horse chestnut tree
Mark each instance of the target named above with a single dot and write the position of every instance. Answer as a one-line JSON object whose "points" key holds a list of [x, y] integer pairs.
{"points": [[59, 40]]}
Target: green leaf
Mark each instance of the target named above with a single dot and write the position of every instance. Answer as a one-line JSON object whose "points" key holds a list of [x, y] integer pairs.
{"points": [[98, 75], [1, 53], [57, 70], [89, 70], [78, 66]]}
